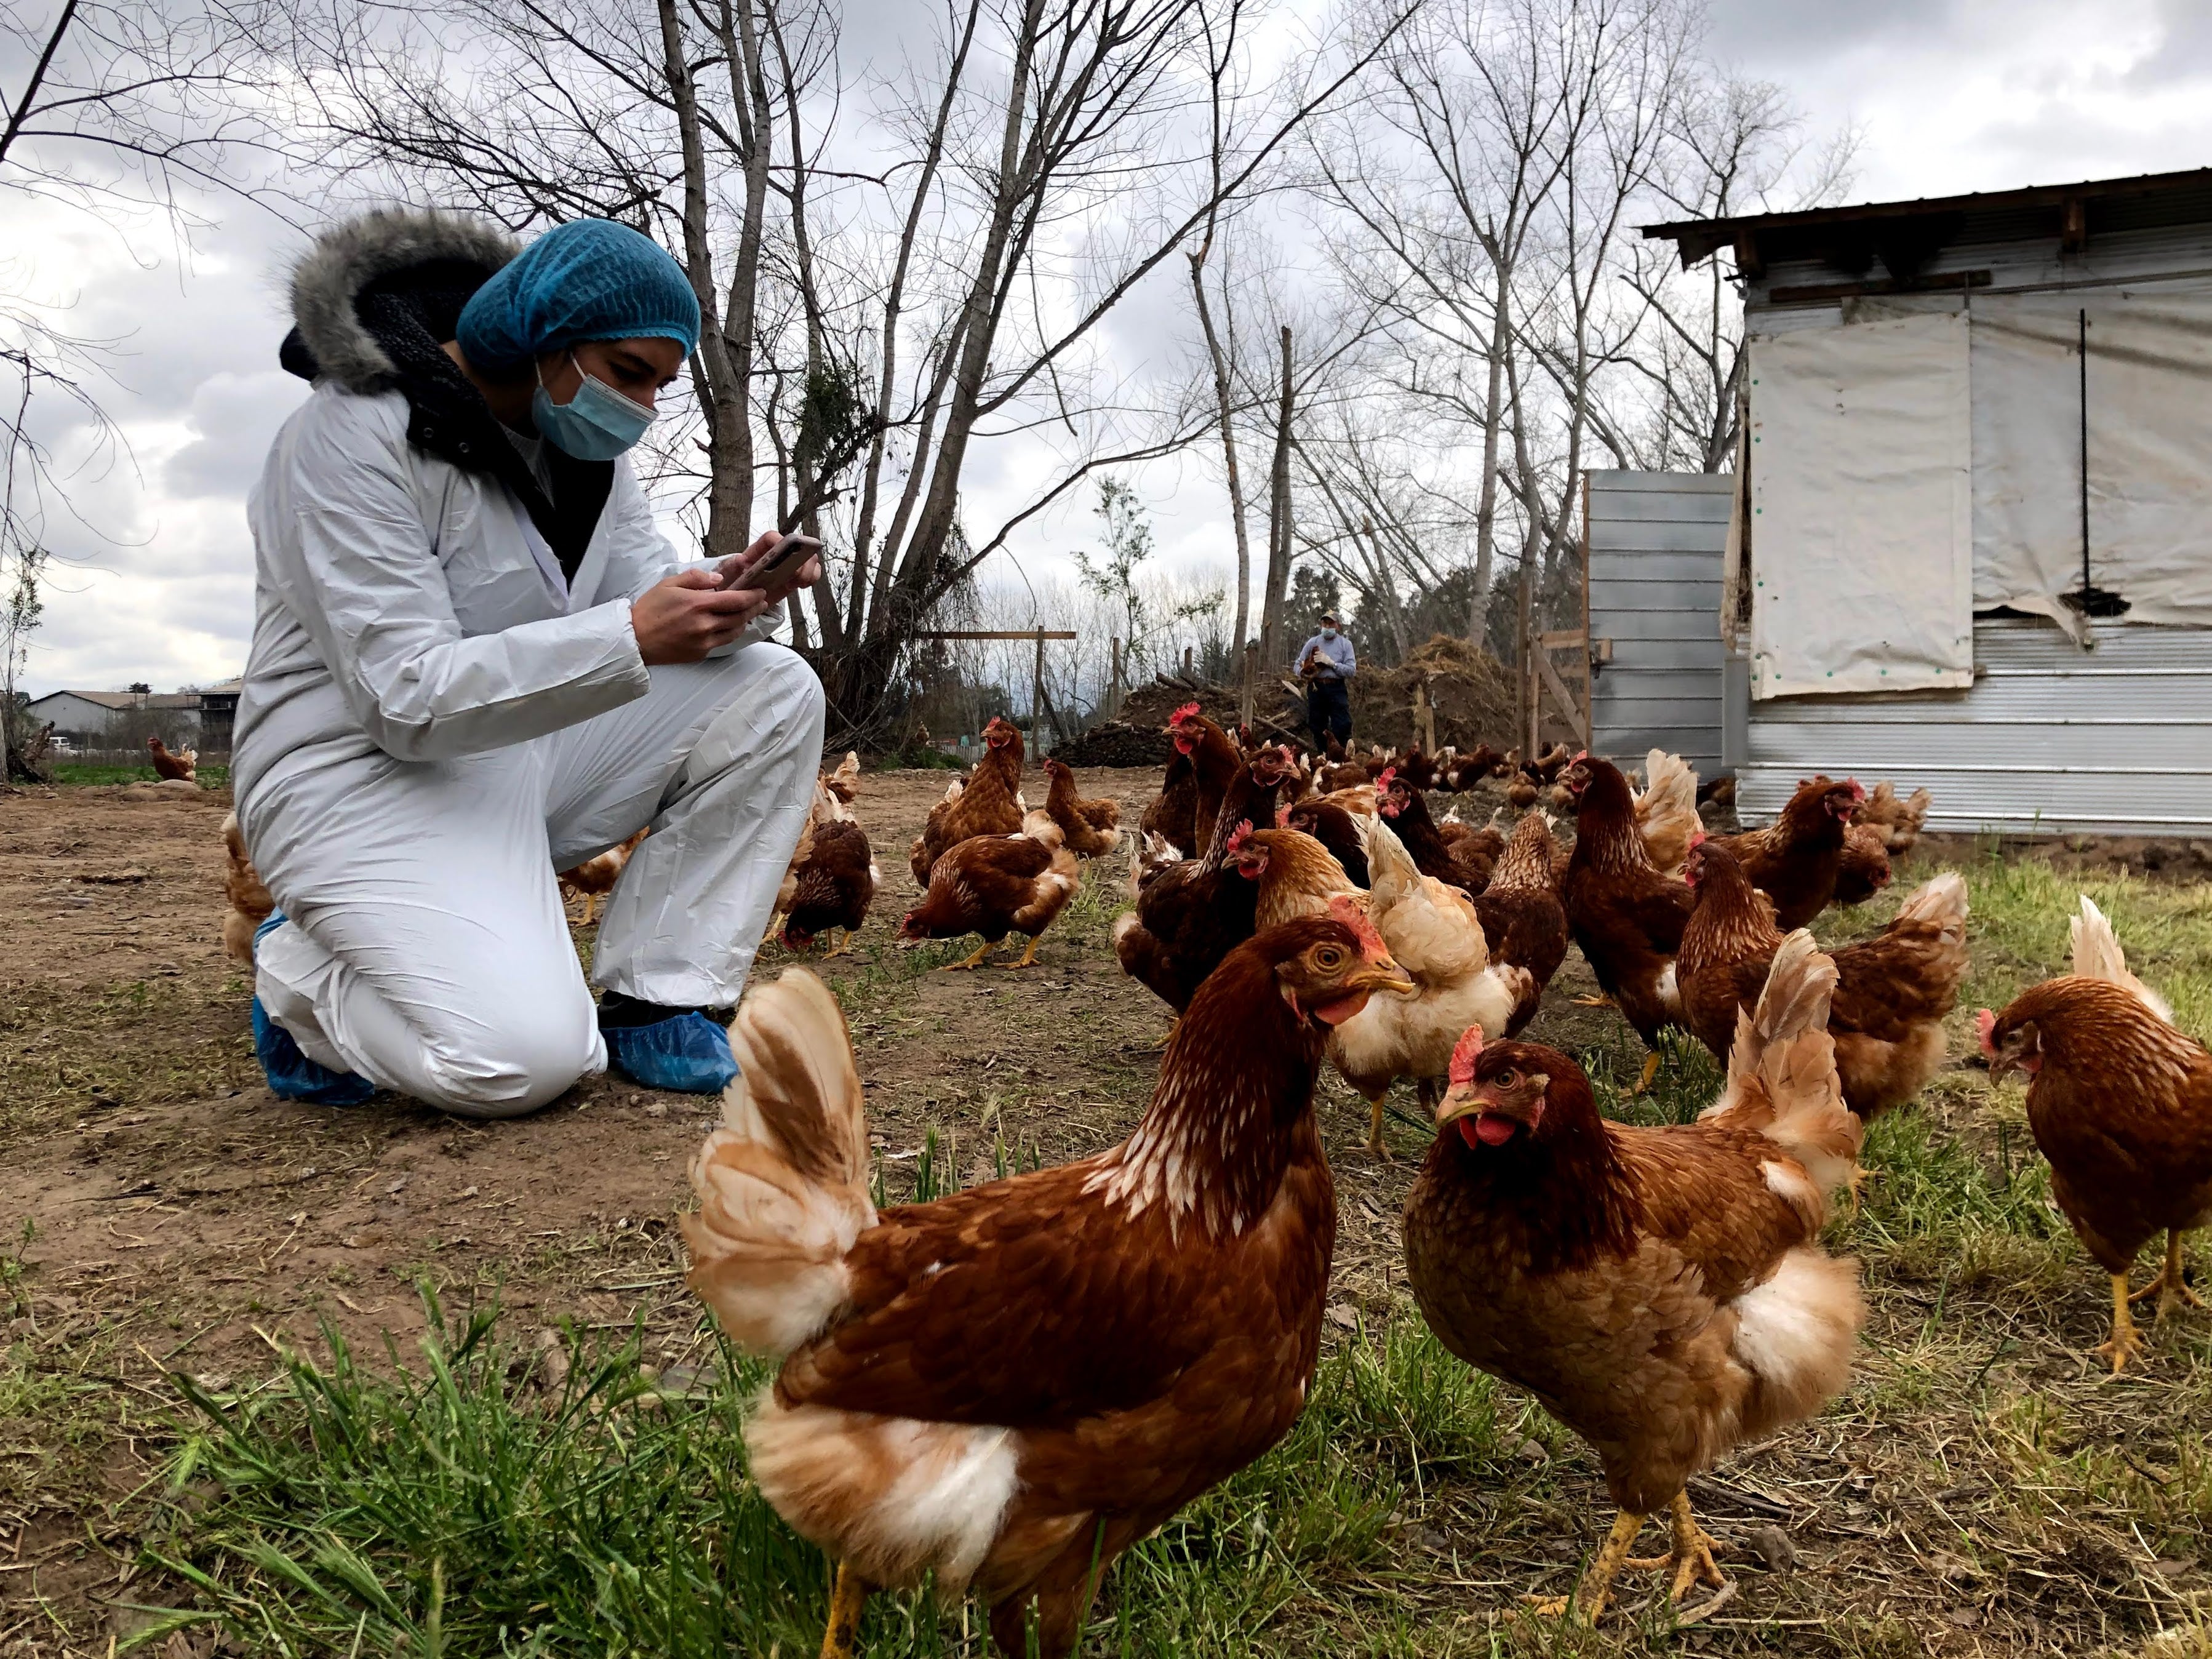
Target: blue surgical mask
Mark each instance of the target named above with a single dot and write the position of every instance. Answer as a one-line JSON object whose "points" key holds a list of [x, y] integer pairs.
{"points": [[597, 424], [1329, 633]]}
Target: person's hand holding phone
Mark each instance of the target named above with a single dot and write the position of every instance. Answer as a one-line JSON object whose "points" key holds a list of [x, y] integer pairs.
{"points": [[685, 617]]}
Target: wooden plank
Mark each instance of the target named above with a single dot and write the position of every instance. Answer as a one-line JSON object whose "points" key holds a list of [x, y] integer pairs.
{"points": [[1610, 566], [1603, 479], [1942, 281], [1675, 536], [1660, 509], [1016, 634], [1568, 706]]}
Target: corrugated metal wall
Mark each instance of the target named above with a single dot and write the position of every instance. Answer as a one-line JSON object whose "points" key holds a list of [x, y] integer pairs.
{"points": [[1656, 541], [2050, 737]]}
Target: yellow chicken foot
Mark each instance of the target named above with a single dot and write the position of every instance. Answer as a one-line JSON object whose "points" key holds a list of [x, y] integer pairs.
{"points": [[1598, 1002], [1651, 1070], [1596, 1587], [843, 947], [2125, 1342], [846, 1601], [1691, 1556], [590, 908], [1375, 1128], [975, 961], [2171, 1287], [1028, 957]]}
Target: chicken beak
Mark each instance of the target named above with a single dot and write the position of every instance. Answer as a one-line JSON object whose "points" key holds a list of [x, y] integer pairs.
{"points": [[1461, 1100], [1381, 975]]}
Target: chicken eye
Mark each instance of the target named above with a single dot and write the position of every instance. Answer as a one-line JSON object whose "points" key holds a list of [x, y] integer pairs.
{"points": [[1329, 958], [1506, 1078]]}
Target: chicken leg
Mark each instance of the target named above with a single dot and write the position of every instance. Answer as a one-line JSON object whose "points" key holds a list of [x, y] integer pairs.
{"points": [[1651, 1070], [846, 1601], [1375, 1126], [1596, 1586], [975, 961], [2170, 1286], [1691, 1556], [843, 947], [2125, 1341], [1028, 957]]}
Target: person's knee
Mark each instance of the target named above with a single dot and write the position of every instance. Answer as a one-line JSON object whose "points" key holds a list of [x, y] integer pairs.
{"points": [[516, 1057], [784, 688]]}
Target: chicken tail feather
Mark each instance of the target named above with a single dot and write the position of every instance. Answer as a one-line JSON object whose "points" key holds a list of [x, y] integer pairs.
{"points": [[2097, 955], [1782, 1080], [783, 1184]]}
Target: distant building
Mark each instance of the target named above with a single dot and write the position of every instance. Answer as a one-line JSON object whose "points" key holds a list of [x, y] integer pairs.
{"points": [[96, 719]]}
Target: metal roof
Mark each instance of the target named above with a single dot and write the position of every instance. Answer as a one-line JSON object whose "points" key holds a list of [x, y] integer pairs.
{"points": [[2065, 211]]}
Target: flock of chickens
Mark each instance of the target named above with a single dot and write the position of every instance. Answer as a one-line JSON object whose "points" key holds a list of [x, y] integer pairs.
{"points": [[1008, 1386]]}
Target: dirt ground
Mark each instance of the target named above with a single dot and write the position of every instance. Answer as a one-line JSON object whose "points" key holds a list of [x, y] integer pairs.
{"points": [[161, 1210]]}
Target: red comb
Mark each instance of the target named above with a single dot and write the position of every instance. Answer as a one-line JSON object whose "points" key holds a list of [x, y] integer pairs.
{"points": [[1580, 754], [1283, 815], [1386, 777], [1188, 711], [1464, 1054], [1986, 1023], [1240, 834], [1697, 839], [1346, 908]]}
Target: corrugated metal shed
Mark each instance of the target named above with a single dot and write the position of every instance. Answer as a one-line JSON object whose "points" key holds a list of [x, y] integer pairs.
{"points": [[1657, 541], [2050, 737]]}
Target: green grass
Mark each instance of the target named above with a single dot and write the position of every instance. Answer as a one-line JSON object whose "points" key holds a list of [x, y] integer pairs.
{"points": [[76, 773], [458, 1504]]}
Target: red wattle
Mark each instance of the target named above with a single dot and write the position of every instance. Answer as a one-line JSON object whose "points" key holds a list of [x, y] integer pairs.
{"points": [[1493, 1131]]}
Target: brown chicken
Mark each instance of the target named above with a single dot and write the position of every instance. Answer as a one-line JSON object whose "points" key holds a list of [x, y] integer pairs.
{"points": [[995, 885], [1193, 912], [2120, 1102], [1010, 1385], [988, 804], [1794, 861], [1626, 917], [1198, 775], [1898, 822], [845, 781], [1522, 915], [1091, 826], [1891, 991], [181, 765], [1465, 864], [1864, 870], [595, 877], [834, 887], [1333, 828], [247, 902], [1462, 772], [1667, 810], [1661, 1290]]}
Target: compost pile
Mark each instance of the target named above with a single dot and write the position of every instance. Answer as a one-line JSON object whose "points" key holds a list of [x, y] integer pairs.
{"points": [[1472, 691], [1117, 743]]}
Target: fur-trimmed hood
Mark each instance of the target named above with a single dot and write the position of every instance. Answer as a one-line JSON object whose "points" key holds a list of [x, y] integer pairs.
{"points": [[440, 259]]}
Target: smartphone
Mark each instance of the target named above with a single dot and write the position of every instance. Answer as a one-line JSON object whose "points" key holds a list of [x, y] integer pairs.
{"points": [[785, 557]]}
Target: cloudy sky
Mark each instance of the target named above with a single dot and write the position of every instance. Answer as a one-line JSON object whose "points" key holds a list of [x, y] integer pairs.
{"points": [[1949, 95]]}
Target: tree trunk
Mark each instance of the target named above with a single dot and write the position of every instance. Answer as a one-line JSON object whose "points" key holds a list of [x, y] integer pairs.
{"points": [[1485, 514], [731, 491], [1273, 647], [1222, 401]]}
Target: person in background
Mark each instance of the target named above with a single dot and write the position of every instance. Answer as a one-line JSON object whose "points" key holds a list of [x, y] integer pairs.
{"points": [[1326, 664], [477, 660]]}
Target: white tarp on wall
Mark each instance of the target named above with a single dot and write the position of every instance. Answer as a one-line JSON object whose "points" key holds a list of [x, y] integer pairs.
{"points": [[1861, 544], [2150, 452]]}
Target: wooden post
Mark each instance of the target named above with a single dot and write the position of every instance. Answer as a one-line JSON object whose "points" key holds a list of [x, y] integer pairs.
{"points": [[1114, 685], [1248, 694], [1036, 699], [1186, 662]]}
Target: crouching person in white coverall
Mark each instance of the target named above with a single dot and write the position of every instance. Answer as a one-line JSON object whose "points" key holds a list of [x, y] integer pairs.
{"points": [[476, 661]]}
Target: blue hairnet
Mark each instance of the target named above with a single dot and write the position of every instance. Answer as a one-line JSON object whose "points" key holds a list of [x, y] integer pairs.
{"points": [[591, 279]]}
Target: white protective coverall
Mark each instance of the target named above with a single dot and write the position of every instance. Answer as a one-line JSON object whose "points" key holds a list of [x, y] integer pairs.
{"points": [[433, 722]]}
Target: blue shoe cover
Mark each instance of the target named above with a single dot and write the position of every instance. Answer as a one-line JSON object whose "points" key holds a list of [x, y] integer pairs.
{"points": [[689, 1054], [293, 1075]]}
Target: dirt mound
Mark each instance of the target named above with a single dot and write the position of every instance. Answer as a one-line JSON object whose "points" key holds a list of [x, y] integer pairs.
{"points": [[1118, 742], [1471, 690], [1149, 706]]}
